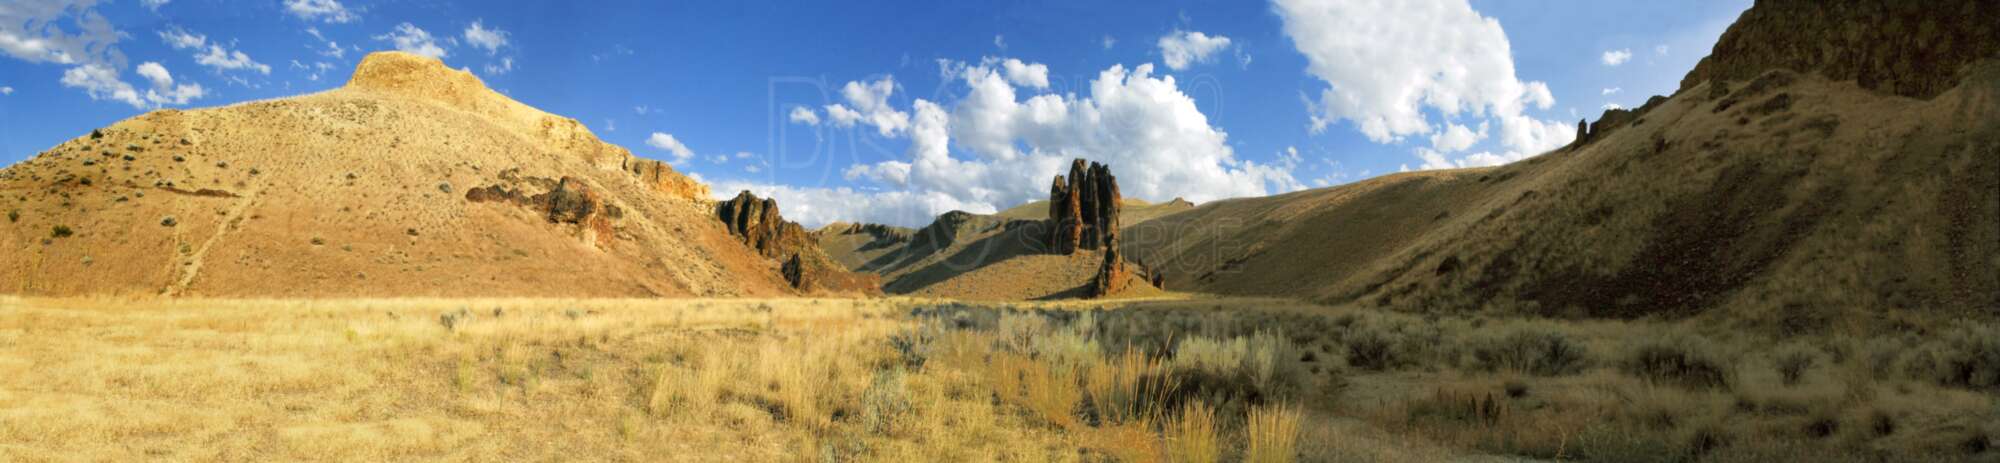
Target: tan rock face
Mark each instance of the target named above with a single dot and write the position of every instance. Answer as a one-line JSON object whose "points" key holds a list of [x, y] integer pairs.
{"points": [[662, 177], [1083, 208], [1909, 48]]}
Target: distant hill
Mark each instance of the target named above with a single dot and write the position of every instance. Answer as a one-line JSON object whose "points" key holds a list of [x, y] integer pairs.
{"points": [[1779, 184], [414, 179], [999, 256], [1136, 210]]}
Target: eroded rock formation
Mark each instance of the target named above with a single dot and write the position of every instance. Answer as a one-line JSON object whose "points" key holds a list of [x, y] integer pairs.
{"points": [[1113, 275], [565, 201], [1083, 208], [758, 224]]}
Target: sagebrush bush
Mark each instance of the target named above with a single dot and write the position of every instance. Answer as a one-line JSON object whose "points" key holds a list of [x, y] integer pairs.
{"points": [[1370, 350], [1684, 359], [1792, 363], [1967, 357], [886, 403], [1534, 350]]}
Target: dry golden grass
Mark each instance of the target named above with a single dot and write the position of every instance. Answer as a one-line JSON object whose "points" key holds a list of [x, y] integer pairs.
{"points": [[349, 380], [1273, 435], [903, 379]]}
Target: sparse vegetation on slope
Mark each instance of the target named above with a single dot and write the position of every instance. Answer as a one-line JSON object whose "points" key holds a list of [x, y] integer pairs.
{"points": [[418, 179]]}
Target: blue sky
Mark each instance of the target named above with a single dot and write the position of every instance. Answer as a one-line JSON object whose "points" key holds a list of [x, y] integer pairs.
{"points": [[960, 106]]}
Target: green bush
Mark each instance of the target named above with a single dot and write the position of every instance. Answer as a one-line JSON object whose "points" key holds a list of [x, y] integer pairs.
{"points": [[1967, 357], [1793, 362], [60, 231], [1370, 350], [1533, 350], [1687, 360]]}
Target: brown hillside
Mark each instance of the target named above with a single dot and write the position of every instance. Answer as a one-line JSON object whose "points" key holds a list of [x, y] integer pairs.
{"points": [[1828, 162], [412, 180], [966, 255]]}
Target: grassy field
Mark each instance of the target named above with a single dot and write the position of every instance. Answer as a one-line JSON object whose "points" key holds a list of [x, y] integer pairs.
{"points": [[926, 380]]}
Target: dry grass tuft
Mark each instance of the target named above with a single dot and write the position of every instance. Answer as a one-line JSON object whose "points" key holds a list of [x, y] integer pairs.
{"points": [[1272, 434]]}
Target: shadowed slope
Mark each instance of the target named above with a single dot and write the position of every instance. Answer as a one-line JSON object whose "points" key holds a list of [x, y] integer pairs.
{"points": [[1788, 198]]}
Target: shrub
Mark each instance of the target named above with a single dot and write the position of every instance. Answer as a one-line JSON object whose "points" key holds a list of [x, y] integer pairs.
{"points": [[1793, 362], [1967, 357], [1369, 350], [1273, 433], [1681, 359], [14, 215], [885, 403], [60, 231], [1253, 368], [1536, 351]]}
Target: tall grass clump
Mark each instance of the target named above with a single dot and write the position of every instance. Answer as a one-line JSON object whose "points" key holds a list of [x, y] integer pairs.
{"points": [[1272, 432], [1126, 388], [1193, 436]]}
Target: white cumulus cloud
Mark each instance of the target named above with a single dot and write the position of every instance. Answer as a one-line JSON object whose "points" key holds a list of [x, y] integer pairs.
{"points": [[211, 54], [1387, 63], [410, 38], [320, 10], [1144, 126], [164, 92], [869, 103], [1617, 57], [229, 60], [489, 39], [101, 82], [1033, 75], [1455, 138], [672, 146], [1182, 48], [803, 115]]}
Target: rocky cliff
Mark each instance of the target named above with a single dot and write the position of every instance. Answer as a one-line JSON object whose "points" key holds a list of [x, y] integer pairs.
{"points": [[1909, 48]]}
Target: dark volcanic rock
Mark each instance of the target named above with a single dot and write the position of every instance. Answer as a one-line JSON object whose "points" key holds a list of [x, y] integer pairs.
{"points": [[571, 202], [1909, 48], [794, 271]]}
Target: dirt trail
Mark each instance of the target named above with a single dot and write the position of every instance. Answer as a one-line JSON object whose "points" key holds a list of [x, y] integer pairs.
{"points": [[191, 267]]}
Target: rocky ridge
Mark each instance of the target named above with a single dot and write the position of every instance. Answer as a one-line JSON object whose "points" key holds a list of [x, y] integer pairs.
{"points": [[757, 222]]}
